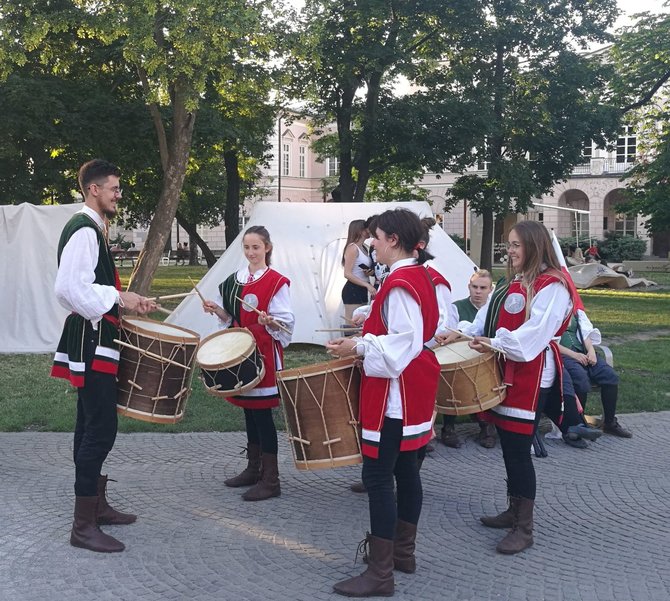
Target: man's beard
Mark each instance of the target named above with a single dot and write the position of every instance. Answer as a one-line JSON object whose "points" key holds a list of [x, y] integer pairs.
{"points": [[109, 214]]}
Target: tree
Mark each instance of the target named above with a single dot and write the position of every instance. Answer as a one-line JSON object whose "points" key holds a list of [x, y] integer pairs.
{"points": [[351, 47], [175, 49], [541, 99], [642, 57]]}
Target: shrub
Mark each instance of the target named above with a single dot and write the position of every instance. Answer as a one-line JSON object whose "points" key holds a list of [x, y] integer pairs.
{"points": [[616, 248], [459, 240]]}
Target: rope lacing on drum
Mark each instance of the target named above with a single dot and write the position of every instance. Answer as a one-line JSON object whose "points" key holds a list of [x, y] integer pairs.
{"points": [[363, 547]]}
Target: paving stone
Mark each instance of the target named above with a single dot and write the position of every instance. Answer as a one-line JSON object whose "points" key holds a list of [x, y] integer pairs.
{"points": [[601, 523]]}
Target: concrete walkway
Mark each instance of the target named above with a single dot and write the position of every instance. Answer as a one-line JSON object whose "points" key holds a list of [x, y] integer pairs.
{"points": [[602, 524]]}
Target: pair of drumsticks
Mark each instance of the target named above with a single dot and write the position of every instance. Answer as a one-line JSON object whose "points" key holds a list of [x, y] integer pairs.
{"points": [[246, 304]]}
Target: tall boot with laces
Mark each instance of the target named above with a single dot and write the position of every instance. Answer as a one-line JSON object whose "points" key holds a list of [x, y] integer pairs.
{"points": [[252, 473], [504, 519], [520, 537], [377, 580], [107, 515]]}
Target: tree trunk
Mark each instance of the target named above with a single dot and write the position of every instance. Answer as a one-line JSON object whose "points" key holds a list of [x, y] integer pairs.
{"points": [[368, 136], [173, 180], [195, 239], [485, 262], [232, 212], [496, 146], [346, 178]]}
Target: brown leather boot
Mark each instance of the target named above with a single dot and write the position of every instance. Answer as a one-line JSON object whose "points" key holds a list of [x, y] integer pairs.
{"points": [[107, 515], [252, 473], [268, 485], [504, 519], [85, 532], [377, 580], [520, 537], [403, 547]]}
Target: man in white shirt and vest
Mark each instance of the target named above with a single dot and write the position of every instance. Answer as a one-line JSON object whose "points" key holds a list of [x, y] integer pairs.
{"points": [[88, 285]]}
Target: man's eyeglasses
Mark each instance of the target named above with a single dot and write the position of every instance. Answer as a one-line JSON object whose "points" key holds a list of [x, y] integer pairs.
{"points": [[116, 190]]}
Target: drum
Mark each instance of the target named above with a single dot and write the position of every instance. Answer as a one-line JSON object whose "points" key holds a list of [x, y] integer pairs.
{"points": [[230, 363], [321, 411], [155, 370], [470, 381]]}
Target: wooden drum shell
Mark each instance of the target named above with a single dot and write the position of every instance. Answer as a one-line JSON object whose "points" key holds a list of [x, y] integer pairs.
{"points": [[149, 389], [471, 385], [320, 405]]}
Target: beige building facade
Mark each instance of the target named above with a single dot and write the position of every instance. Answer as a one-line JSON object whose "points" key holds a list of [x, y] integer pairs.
{"points": [[593, 188]]}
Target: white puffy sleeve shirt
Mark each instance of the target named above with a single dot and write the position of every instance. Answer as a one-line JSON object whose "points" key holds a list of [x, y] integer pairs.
{"points": [[549, 307], [75, 288], [387, 355]]}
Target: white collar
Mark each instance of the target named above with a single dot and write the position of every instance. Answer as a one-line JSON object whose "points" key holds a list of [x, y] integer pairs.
{"points": [[403, 263], [89, 212]]}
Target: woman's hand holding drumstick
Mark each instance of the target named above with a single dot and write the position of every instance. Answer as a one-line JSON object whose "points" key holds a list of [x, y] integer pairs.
{"points": [[479, 343], [264, 319], [342, 347]]}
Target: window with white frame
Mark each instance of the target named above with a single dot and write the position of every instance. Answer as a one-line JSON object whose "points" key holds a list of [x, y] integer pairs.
{"points": [[302, 161], [587, 150], [332, 166], [286, 159], [483, 165], [625, 224], [626, 146]]}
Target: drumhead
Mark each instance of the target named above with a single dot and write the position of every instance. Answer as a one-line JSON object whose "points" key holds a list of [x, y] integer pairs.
{"points": [[225, 346], [159, 329], [456, 352]]}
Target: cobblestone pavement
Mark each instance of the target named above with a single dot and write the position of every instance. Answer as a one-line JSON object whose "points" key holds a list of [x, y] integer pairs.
{"points": [[602, 524]]}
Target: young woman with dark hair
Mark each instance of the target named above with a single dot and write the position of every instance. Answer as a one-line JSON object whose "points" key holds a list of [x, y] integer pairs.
{"points": [[268, 291], [398, 388]]}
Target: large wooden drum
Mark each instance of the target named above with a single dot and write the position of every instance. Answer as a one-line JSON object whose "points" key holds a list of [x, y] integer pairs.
{"points": [[470, 381], [321, 410], [230, 363], [155, 370]]}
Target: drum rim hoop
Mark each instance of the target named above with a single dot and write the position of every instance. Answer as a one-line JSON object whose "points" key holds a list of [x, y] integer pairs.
{"points": [[316, 369], [250, 350], [164, 336], [467, 361]]}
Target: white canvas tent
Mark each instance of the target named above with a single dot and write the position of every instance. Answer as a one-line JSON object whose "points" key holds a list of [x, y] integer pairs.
{"points": [[31, 320], [308, 241]]}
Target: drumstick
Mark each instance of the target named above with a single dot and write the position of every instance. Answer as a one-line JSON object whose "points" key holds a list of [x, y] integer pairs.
{"points": [[281, 326], [339, 330], [163, 310], [347, 319], [152, 355], [169, 296], [202, 298], [479, 341]]}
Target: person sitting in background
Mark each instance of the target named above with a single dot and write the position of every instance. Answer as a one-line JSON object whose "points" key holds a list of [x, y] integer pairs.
{"points": [[479, 286], [592, 253], [586, 368], [575, 256]]}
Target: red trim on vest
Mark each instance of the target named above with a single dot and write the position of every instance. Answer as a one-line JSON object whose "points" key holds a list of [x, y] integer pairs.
{"points": [[105, 367], [437, 278]]}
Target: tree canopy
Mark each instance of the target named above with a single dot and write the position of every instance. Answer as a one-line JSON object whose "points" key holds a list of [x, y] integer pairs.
{"points": [[642, 57]]}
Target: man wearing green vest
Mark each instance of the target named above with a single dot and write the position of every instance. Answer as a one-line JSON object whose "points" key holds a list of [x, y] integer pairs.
{"points": [[479, 287], [88, 285], [586, 368]]}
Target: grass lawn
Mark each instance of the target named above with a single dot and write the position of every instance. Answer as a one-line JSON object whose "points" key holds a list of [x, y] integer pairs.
{"points": [[636, 325]]}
